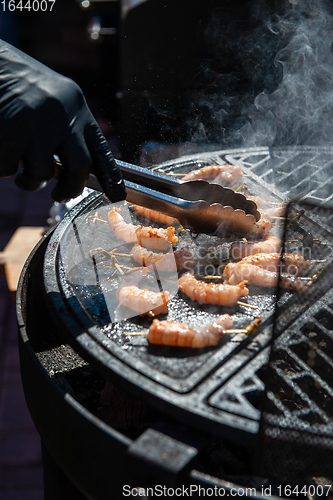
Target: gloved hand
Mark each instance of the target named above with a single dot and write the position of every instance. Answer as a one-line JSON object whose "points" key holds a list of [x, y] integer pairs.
{"points": [[43, 113]]}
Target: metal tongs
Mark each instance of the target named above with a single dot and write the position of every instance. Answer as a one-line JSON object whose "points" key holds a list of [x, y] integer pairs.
{"points": [[198, 205]]}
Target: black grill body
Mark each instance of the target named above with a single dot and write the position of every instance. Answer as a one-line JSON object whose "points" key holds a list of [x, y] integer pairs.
{"points": [[226, 393]]}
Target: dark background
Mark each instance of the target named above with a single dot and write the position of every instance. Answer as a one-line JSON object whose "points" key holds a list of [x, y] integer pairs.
{"points": [[61, 40], [174, 72]]}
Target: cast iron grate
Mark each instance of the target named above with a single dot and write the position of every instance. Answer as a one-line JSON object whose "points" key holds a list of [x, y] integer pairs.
{"points": [[302, 173], [297, 411]]}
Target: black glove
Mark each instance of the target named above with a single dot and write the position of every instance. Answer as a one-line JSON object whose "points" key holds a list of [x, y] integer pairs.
{"points": [[43, 113]]}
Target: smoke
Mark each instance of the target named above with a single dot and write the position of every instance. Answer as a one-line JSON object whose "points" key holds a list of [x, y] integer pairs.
{"points": [[300, 111], [286, 95]]}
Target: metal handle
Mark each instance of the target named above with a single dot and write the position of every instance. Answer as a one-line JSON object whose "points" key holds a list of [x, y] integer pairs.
{"points": [[156, 200], [148, 178]]}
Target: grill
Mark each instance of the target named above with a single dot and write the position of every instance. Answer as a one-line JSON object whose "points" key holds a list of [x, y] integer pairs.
{"points": [[219, 391], [297, 410]]}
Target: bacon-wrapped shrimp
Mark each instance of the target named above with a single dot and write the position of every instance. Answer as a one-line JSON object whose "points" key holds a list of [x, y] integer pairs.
{"points": [[241, 249], [218, 174], [210, 293], [142, 301], [147, 236], [163, 262], [155, 215], [237, 272], [183, 335]]}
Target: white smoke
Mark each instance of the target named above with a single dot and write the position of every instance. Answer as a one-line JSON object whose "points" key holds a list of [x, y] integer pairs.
{"points": [[300, 110]]}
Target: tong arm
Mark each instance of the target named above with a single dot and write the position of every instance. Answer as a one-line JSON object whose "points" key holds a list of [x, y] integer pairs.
{"points": [[190, 190], [199, 216]]}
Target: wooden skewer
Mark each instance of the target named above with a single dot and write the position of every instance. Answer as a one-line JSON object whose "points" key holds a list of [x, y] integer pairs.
{"points": [[246, 305], [121, 254], [94, 218], [255, 307], [213, 277], [268, 202], [117, 266], [306, 278], [99, 250], [112, 254], [315, 240], [111, 266], [134, 334]]}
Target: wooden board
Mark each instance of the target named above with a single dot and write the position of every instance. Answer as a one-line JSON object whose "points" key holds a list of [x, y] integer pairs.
{"points": [[16, 252]]}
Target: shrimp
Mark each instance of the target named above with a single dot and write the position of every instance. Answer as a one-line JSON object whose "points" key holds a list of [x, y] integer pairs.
{"points": [[290, 263], [265, 210], [148, 236], [235, 273], [155, 215], [181, 334], [211, 293], [268, 244], [163, 262], [262, 226], [142, 301], [217, 173]]}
